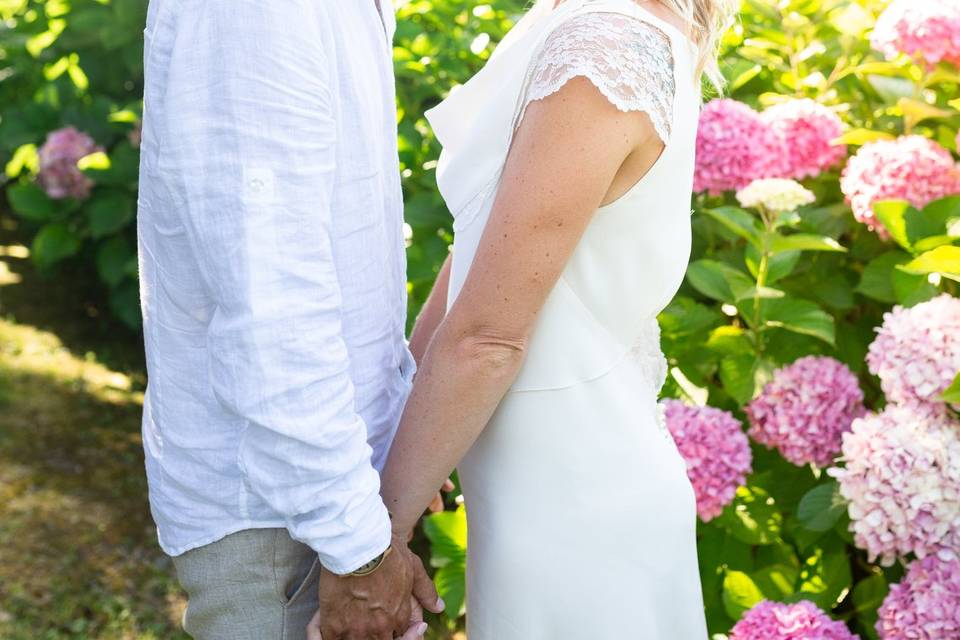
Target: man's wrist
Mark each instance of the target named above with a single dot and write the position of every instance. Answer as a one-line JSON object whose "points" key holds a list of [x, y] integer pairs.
{"points": [[369, 568]]}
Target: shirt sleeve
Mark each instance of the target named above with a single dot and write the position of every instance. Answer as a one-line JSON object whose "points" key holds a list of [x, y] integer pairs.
{"points": [[250, 149], [628, 60]]}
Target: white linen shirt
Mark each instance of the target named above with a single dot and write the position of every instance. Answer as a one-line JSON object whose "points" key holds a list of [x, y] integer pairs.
{"points": [[272, 271]]}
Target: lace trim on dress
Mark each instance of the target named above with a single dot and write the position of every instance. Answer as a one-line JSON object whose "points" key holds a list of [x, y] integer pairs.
{"points": [[629, 60], [647, 353]]}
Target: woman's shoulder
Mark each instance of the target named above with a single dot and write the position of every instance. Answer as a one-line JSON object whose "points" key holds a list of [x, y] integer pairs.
{"points": [[630, 60]]}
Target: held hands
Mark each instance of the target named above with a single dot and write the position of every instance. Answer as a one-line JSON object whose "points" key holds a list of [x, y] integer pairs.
{"points": [[381, 606]]}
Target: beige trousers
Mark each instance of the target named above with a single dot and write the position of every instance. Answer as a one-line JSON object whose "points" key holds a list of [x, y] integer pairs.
{"points": [[258, 584]]}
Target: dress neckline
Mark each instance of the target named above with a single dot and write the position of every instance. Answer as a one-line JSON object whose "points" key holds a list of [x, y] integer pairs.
{"points": [[660, 23]]}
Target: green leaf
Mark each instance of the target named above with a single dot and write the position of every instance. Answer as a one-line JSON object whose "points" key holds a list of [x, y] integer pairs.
{"points": [[740, 594], [805, 242], [869, 593], [776, 581], [116, 261], [826, 575], [738, 377], [822, 507], [125, 303], [911, 289], [799, 316], [861, 136], [109, 213], [718, 280], [447, 532], [779, 265], [944, 260], [30, 202], [451, 583], [867, 596], [53, 243], [932, 242], [942, 210], [738, 221], [892, 213], [915, 111], [952, 393], [685, 317], [753, 517]]}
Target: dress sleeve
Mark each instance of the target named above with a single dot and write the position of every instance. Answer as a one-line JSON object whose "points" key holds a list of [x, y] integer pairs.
{"points": [[629, 61]]}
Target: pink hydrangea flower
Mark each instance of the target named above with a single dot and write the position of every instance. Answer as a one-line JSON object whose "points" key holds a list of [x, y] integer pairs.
{"points": [[734, 147], [910, 168], [925, 605], [927, 30], [59, 175], [808, 128], [798, 621], [805, 410], [916, 353], [716, 451], [902, 481]]}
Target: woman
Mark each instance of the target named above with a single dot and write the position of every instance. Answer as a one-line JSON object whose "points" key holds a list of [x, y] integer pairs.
{"points": [[568, 165]]}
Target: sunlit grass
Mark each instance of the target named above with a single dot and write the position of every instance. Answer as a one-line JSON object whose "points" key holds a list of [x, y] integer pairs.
{"points": [[77, 551]]}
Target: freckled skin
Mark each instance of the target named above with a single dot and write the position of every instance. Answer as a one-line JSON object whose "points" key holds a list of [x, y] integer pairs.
{"points": [[547, 198]]}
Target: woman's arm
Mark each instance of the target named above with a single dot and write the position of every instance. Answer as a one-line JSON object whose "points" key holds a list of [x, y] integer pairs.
{"points": [[567, 153], [431, 315]]}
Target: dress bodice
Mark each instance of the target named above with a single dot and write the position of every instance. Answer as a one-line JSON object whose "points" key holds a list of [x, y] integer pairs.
{"points": [[632, 257]]}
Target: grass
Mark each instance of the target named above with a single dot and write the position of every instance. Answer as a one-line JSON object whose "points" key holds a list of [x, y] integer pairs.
{"points": [[78, 557]]}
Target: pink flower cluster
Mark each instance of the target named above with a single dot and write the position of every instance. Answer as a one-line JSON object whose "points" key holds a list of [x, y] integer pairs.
{"points": [[716, 451], [59, 175], [805, 410], [927, 30], [911, 168], [902, 482], [734, 147], [798, 621], [808, 128], [925, 605], [916, 352]]}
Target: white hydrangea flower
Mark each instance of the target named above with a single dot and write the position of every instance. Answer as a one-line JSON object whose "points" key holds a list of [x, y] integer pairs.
{"points": [[777, 195]]}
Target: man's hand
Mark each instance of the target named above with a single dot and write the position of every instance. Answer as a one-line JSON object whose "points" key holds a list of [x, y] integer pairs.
{"points": [[378, 606]]}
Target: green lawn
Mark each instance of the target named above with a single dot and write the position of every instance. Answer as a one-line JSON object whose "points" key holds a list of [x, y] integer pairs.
{"points": [[78, 557]]}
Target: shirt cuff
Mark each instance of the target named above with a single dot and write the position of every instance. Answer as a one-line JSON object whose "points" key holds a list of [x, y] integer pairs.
{"points": [[369, 539]]}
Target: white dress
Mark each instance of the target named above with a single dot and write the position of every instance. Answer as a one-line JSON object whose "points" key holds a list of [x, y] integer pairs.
{"points": [[582, 521]]}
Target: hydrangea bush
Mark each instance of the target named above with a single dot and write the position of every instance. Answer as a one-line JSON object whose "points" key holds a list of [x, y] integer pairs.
{"points": [[805, 410], [812, 347], [715, 449], [925, 605], [799, 621]]}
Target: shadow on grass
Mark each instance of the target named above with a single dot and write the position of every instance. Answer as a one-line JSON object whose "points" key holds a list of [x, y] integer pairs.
{"points": [[78, 557]]}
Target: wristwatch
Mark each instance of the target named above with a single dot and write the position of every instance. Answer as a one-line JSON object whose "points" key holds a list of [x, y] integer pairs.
{"points": [[369, 567]]}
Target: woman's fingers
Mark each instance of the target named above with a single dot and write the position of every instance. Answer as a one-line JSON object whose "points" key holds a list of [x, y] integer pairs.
{"points": [[415, 632], [313, 629]]}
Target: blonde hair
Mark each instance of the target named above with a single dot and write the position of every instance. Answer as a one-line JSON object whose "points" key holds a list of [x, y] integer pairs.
{"points": [[706, 22]]}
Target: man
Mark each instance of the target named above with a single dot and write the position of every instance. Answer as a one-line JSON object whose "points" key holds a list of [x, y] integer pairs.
{"points": [[273, 291]]}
